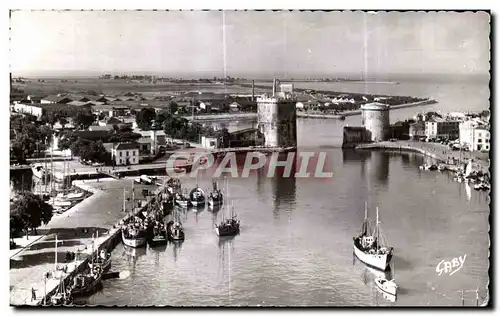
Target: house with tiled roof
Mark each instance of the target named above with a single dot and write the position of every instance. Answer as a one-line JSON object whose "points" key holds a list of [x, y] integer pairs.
{"points": [[61, 99]]}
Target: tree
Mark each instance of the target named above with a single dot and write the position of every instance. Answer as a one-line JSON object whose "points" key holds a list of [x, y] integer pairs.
{"points": [[23, 146], [144, 118], [123, 134], [83, 119], [173, 107], [29, 211], [66, 139]]}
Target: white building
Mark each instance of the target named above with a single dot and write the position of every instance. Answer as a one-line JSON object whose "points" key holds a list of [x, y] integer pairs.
{"points": [[28, 109], [126, 154], [209, 142], [474, 136]]}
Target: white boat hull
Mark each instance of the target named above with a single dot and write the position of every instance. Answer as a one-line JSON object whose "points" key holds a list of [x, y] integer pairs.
{"points": [[387, 287], [197, 203], [214, 202], [182, 203], [378, 261], [135, 242]]}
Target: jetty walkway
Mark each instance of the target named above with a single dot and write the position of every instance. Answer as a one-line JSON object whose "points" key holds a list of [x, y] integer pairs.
{"points": [[101, 213], [440, 152]]}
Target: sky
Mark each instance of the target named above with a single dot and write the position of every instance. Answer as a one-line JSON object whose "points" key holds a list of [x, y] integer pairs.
{"points": [[248, 43]]}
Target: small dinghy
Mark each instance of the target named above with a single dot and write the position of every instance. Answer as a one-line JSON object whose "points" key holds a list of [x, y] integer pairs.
{"points": [[386, 286]]}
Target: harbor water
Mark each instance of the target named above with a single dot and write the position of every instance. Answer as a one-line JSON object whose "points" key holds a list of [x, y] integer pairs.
{"points": [[295, 246]]}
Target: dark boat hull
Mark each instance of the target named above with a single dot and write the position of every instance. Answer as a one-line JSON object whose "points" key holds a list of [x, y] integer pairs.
{"points": [[89, 289]]}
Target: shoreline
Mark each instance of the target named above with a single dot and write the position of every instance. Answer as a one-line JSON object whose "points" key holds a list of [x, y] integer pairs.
{"points": [[253, 116], [435, 151]]}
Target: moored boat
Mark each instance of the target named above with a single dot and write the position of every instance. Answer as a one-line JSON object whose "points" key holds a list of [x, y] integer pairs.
{"points": [[386, 286], [175, 231], [215, 198], [368, 246], [87, 283], [181, 200], [133, 236], [159, 235], [197, 197]]}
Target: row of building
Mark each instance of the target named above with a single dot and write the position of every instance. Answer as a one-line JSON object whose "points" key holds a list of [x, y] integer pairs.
{"points": [[471, 133]]}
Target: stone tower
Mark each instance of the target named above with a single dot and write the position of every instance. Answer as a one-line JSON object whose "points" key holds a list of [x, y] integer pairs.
{"points": [[277, 118], [375, 119]]}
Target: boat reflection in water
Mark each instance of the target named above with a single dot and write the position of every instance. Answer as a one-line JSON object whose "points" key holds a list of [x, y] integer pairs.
{"points": [[223, 240], [176, 248], [133, 255]]}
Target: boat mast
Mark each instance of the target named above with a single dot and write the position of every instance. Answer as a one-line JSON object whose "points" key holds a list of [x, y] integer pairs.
{"points": [[124, 206], [55, 262], [378, 231], [133, 197]]}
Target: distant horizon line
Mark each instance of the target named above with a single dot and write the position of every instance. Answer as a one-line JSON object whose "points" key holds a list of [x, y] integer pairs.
{"points": [[192, 75]]}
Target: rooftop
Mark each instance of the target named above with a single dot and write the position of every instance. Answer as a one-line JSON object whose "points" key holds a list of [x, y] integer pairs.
{"points": [[125, 146]]}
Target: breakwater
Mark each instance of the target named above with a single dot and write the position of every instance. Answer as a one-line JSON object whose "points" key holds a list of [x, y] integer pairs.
{"points": [[439, 152], [358, 112]]}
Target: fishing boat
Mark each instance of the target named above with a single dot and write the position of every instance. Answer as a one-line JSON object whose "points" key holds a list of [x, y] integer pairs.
{"points": [[441, 167], [369, 248], [433, 167], [197, 197], [181, 200], [159, 234], [228, 227], [175, 231], [134, 235], [87, 283], [103, 260], [215, 198]]}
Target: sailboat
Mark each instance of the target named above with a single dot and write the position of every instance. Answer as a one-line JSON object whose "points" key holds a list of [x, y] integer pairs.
{"points": [[368, 246], [103, 259], [87, 283], [175, 231], [134, 233], [215, 198], [159, 234], [181, 199], [228, 227]]}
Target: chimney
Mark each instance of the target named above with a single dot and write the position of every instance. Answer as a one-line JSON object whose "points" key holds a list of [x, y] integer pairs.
{"points": [[253, 90]]}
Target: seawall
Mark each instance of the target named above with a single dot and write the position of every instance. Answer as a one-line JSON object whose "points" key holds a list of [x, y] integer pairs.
{"points": [[358, 112]]}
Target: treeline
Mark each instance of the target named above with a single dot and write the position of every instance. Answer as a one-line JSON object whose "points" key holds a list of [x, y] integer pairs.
{"points": [[174, 125]]}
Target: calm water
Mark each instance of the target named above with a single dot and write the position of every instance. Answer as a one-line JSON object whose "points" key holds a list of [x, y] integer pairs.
{"points": [[295, 246]]}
